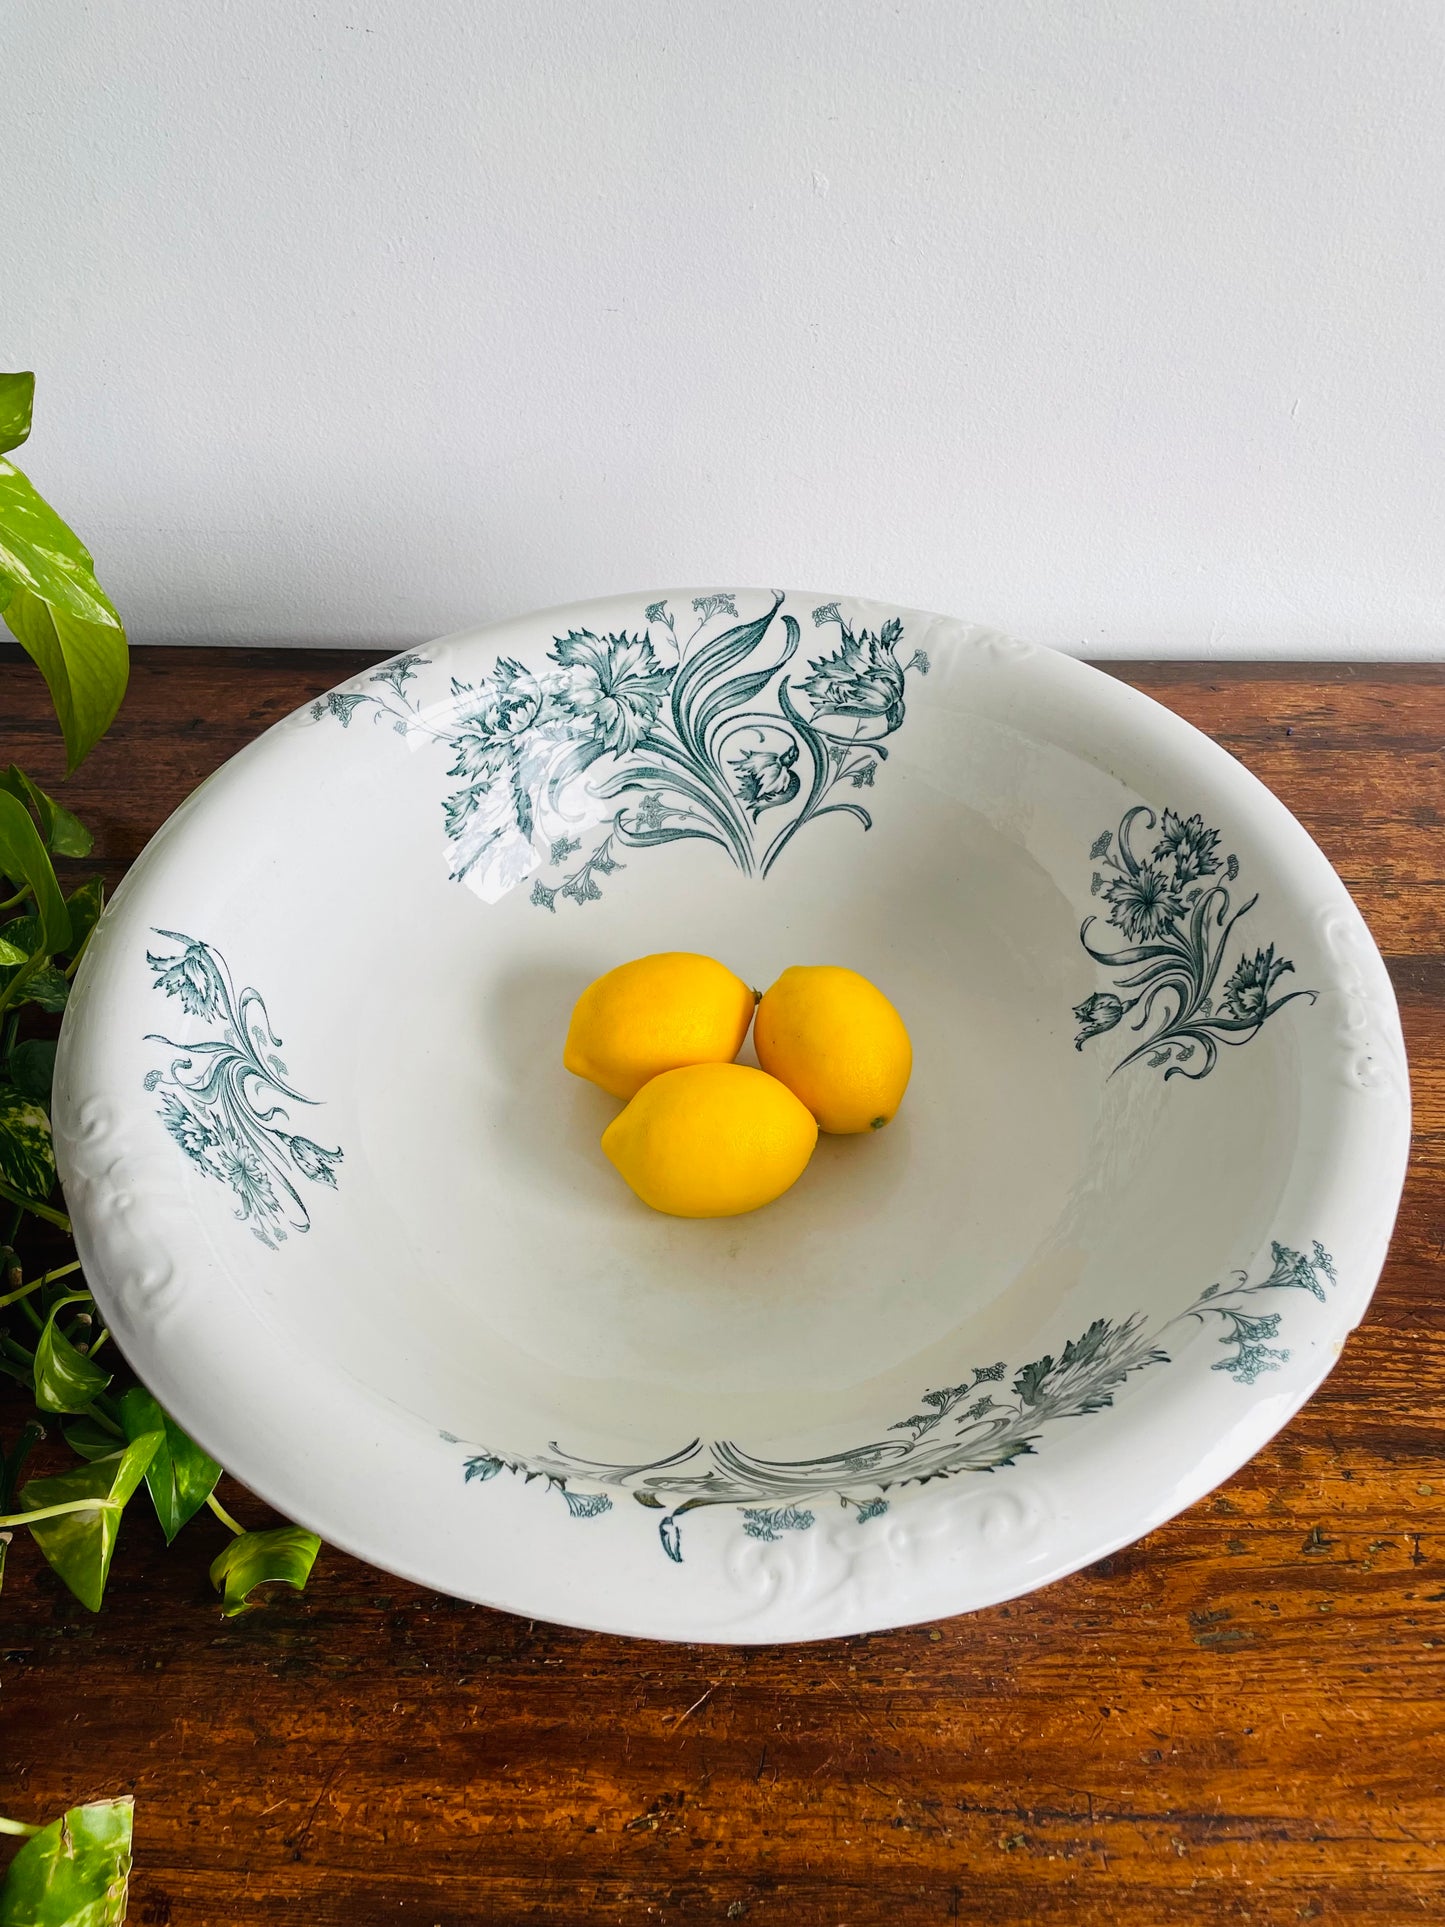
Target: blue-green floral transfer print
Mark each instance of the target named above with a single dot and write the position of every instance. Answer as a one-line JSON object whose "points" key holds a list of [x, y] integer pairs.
{"points": [[992, 1417], [1247, 1355], [657, 735], [1172, 907], [224, 1098]]}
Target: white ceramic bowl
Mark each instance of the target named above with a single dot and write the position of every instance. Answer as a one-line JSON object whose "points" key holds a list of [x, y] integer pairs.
{"points": [[1139, 1192]]}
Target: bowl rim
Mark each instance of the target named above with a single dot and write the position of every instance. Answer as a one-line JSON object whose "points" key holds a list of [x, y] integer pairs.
{"points": [[955, 1546]]}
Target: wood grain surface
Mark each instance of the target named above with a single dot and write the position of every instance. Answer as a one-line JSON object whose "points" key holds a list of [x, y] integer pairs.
{"points": [[1237, 1719]]}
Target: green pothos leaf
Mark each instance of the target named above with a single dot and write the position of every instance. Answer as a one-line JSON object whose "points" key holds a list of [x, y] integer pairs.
{"points": [[61, 832], [73, 1873], [81, 654], [22, 934], [10, 953], [44, 554], [181, 1477], [17, 400], [31, 1068], [88, 1440], [27, 1157], [85, 906], [69, 836], [16, 783], [65, 1379], [79, 1544], [47, 987], [25, 859], [285, 1553]]}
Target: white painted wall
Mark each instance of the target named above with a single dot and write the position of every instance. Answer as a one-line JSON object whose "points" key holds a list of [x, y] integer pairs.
{"points": [[1114, 322]]}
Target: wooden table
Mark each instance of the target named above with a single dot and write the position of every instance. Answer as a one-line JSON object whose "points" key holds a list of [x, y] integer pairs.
{"points": [[1238, 1719]]}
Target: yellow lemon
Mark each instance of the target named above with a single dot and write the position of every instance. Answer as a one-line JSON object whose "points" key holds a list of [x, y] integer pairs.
{"points": [[655, 1014], [837, 1043], [711, 1140]]}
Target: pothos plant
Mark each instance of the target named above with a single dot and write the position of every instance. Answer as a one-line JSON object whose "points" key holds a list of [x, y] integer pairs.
{"points": [[117, 1438]]}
